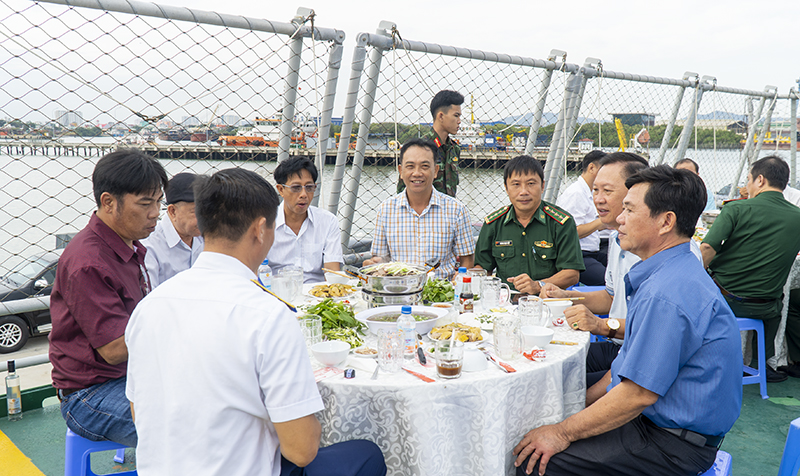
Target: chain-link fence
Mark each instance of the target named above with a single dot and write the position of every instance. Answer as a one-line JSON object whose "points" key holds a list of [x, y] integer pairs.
{"points": [[203, 91]]}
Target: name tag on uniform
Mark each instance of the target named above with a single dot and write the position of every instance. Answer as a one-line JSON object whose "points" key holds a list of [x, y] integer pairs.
{"points": [[504, 243], [542, 244]]}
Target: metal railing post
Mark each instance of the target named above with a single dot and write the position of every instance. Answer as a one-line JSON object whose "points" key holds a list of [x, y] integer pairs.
{"points": [[356, 70], [290, 87], [793, 94], [763, 132], [365, 120], [688, 127], [753, 119], [662, 151], [573, 112], [533, 133], [558, 132], [324, 128]]}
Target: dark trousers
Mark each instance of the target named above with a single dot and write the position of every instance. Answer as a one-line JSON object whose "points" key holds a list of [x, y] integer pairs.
{"points": [[793, 326], [595, 273], [769, 312], [636, 448], [598, 360], [602, 254], [349, 458]]}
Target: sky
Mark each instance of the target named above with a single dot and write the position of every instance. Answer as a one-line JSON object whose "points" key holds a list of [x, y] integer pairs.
{"points": [[744, 44]]}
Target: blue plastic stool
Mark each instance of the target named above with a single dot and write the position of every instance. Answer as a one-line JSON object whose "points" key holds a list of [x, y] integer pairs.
{"points": [[790, 463], [722, 465], [759, 375], [78, 451]]}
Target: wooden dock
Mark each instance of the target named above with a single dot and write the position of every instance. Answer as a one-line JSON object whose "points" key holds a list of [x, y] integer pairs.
{"points": [[482, 158]]}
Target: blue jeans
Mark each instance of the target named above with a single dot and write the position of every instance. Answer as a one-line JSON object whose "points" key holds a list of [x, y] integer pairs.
{"points": [[348, 458], [101, 412]]}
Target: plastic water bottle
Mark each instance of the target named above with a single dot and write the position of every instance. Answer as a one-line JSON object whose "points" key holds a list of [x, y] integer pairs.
{"points": [[462, 273], [265, 274], [407, 327]]}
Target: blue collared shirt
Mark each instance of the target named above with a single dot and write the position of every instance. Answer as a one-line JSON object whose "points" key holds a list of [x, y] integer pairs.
{"points": [[681, 342], [167, 255]]}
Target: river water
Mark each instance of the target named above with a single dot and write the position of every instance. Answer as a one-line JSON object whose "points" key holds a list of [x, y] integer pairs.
{"points": [[43, 196]]}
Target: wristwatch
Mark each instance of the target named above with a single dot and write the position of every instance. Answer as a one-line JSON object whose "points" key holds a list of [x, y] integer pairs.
{"points": [[613, 325]]}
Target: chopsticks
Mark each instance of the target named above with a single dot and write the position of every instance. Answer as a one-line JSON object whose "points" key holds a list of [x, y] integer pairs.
{"points": [[338, 273], [563, 299], [563, 342], [419, 376]]}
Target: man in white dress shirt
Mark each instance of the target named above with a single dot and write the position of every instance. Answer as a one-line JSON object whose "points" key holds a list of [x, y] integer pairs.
{"points": [[305, 236], [176, 242], [219, 380], [577, 200]]}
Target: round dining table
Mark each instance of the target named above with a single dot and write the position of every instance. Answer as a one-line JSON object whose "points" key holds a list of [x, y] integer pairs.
{"points": [[463, 426]]}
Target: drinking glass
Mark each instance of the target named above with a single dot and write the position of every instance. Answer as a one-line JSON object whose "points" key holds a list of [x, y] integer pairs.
{"points": [[390, 350], [507, 337], [477, 275], [449, 358], [494, 293], [529, 310], [311, 326], [287, 282]]}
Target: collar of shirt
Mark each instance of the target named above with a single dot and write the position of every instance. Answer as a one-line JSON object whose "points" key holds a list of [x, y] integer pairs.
{"points": [[437, 200], [114, 241], [770, 195], [643, 269], [538, 215], [171, 235], [218, 261], [280, 220]]}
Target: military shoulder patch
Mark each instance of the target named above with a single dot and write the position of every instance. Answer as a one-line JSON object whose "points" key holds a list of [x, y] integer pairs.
{"points": [[496, 214], [556, 214]]}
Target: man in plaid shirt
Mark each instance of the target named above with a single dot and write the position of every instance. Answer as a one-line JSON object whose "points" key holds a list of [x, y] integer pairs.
{"points": [[421, 223]]}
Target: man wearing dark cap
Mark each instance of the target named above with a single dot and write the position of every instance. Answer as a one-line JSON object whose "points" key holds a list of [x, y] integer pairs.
{"points": [[176, 243]]}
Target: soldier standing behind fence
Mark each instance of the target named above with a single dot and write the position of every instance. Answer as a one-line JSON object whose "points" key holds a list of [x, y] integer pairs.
{"points": [[446, 111]]}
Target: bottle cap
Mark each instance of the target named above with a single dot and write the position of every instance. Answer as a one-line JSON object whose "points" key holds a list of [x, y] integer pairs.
{"points": [[462, 269], [405, 310], [266, 261], [12, 366]]}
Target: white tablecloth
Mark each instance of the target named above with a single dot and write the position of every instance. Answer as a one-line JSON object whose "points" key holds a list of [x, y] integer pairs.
{"points": [[466, 426]]}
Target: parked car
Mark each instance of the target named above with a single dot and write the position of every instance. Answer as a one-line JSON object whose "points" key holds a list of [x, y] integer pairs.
{"points": [[33, 277]]}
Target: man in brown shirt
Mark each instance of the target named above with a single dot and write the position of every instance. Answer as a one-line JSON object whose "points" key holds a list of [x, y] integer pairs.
{"points": [[100, 279]]}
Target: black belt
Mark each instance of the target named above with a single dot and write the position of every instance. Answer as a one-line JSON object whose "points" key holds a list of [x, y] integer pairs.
{"points": [[697, 439], [63, 393], [736, 298]]}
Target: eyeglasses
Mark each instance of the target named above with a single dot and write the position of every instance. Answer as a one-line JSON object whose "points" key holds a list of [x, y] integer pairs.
{"points": [[298, 188]]}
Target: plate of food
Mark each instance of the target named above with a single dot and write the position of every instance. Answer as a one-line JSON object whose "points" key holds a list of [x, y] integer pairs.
{"points": [[485, 319], [334, 291], [365, 352], [464, 333]]}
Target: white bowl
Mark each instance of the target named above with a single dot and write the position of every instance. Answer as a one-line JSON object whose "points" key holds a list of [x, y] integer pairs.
{"points": [[536, 336], [331, 353], [332, 278], [474, 361], [423, 327]]}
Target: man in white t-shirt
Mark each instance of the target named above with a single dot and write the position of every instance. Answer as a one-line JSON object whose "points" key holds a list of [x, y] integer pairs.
{"points": [[218, 375], [577, 200]]}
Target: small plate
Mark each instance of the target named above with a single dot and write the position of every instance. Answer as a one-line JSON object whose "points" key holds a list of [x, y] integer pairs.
{"points": [[364, 356], [460, 323], [308, 287]]}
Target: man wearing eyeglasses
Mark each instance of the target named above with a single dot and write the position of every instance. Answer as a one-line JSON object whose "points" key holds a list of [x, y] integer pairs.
{"points": [[305, 236]]}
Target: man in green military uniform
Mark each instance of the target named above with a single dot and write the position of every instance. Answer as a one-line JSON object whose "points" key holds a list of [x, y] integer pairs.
{"points": [[529, 242], [446, 111], [751, 247]]}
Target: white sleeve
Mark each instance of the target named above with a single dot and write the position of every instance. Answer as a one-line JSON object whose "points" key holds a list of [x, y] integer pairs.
{"points": [[332, 249], [152, 266]]}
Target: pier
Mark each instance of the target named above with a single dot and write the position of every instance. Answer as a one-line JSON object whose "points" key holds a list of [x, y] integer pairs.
{"points": [[479, 158]]}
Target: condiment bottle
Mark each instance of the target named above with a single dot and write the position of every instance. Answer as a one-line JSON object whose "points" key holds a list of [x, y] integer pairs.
{"points": [[466, 299], [13, 394]]}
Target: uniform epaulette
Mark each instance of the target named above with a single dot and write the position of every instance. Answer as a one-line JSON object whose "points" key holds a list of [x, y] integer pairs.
{"points": [[289, 305], [556, 214], [496, 214]]}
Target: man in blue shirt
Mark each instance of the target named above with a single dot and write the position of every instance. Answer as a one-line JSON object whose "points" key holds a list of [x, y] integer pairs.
{"points": [[675, 388]]}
